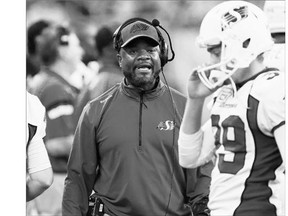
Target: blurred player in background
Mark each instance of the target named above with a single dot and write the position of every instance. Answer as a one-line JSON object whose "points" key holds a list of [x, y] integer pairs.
{"points": [[109, 72], [247, 117], [275, 11], [60, 52], [32, 57]]}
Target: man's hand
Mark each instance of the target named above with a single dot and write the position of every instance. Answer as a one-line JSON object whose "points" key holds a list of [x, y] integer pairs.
{"points": [[200, 208]]}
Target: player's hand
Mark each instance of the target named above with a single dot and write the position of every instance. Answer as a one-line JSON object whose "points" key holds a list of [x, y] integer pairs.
{"points": [[196, 89]]}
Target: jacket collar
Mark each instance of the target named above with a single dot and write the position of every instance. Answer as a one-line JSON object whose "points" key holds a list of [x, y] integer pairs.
{"points": [[136, 93]]}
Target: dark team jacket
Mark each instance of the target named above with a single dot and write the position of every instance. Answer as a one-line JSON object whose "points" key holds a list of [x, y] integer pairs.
{"points": [[129, 137]]}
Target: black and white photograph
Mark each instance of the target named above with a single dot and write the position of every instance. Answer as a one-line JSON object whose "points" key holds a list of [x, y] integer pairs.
{"points": [[151, 108]]}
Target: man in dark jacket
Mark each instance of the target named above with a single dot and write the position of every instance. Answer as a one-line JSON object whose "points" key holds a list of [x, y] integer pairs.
{"points": [[125, 145]]}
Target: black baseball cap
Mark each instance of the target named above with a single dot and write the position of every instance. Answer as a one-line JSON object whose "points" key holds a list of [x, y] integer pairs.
{"points": [[138, 29]]}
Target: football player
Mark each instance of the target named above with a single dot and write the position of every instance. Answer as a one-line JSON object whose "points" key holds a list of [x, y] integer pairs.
{"points": [[40, 175], [247, 116]]}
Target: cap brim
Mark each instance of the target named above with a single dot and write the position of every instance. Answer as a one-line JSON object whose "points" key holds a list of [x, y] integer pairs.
{"points": [[137, 36]]}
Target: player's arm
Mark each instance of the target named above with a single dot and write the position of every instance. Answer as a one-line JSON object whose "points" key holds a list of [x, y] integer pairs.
{"points": [[198, 148], [192, 152], [38, 182], [40, 174]]}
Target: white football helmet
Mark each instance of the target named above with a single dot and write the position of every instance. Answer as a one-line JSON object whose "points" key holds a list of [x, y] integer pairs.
{"points": [[242, 30]]}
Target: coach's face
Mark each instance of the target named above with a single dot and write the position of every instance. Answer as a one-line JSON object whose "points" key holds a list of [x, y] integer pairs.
{"points": [[140, 62]]}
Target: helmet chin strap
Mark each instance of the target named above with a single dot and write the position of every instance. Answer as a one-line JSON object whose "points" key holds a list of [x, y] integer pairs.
{"points": [[233, 87]]}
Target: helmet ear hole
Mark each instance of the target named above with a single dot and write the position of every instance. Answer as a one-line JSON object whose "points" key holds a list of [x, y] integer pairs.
{"points": [[246, 43]]}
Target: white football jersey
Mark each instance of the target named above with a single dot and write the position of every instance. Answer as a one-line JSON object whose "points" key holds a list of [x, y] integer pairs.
{"points": [[248, 177], [35, 118], [37, 157]]}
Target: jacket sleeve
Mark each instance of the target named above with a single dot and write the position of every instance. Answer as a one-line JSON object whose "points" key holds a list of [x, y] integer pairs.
{"points": [[198, 192], [81, 170]]}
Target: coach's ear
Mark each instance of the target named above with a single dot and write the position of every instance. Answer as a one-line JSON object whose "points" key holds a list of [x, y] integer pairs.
{"points": [[119, 58]]}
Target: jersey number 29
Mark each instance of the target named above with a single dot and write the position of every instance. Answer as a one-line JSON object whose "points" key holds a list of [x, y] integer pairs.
{"points": [[236, 146]]}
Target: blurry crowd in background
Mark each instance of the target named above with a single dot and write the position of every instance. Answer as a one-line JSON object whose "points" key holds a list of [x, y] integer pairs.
{"points": [[85, 64], [181, 18]]}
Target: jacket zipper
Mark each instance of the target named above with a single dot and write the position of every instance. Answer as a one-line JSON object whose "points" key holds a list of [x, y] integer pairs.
{"points": [[140, 122]]}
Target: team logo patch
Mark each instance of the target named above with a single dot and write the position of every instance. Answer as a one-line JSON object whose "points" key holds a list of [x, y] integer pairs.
{"points": [[223, 97], [138, 27], [167, 125], [234, 16]]}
